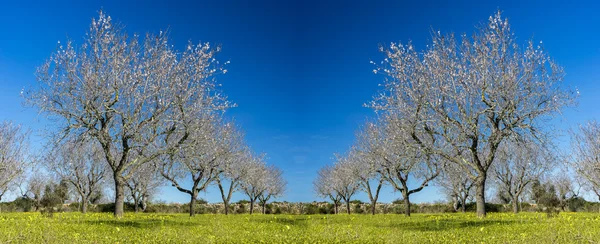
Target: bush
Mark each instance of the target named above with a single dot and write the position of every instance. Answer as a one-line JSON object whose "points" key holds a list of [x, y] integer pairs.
{"points": [[311, 209], [241, 208], [576, 204], [358, 209]]}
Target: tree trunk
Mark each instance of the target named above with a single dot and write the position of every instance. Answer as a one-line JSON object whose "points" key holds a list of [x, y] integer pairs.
{"points": [[251, 207], [226, 207], [463, 205], [192, 203], [407, 203], [480, 196], [144, 205], [84, 205], [455, 205], [335, 205], [373, 206], [515, 204], [136, 204], [119, 195], [348, 207], [263, 208]]}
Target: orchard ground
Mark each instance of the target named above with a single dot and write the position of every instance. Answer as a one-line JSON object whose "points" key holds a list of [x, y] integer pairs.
{"points": [[243, 228]]}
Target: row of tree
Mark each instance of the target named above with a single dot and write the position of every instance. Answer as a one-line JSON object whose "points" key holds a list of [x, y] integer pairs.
{"points": [[463, 113], [134, 112]]}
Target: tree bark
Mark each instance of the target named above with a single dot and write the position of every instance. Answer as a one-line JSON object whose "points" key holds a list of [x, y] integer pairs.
{"points": [[251, 206], [144, 205], [373, 206], [84, 205], [407, 203], [515, 204], [348, 207], [335, 207], [227, 198], [463, 205], [480, 196], [136, 204], [192, 203], [119, 195]]}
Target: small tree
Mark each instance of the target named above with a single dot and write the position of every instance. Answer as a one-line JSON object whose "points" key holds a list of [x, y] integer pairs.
{"points": [[586, 154], [545, 194], [235, 168], [399, 162], [143, 184], [458, 186], [55, 194], [255, 182], [324, 186], [365, 163], [13, 155], [213, 143], [275, 186], [520, 163], [34, 189], [82, 165], [343, 181]]}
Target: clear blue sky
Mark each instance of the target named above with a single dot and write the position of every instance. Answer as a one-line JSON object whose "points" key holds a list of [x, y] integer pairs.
{"points": [[299, 70]]}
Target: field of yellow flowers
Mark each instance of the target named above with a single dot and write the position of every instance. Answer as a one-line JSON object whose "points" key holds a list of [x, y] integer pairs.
{"points": [[179, 228]]}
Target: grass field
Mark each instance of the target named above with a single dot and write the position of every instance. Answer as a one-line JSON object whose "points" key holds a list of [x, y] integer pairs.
{"points": [[420, 228]]}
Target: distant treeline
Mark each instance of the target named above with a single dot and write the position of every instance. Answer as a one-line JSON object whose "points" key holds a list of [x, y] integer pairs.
{"points": [[356, 207]]}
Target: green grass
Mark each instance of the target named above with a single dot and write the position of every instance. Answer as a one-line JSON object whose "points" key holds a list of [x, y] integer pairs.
{"points": [[179, 228]]}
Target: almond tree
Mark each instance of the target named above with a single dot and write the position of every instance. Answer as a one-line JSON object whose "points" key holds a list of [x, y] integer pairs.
{"points": [[13, 155], [34, 188], [255, 183], [365, 163], [234, 169], [586, 154], [324, 186], [520, 164], [460, 99], [142, 185], [457, 185], [343, 181], [202, 158], [138, 99], [275, 186], [400, 163], [80, 163]]}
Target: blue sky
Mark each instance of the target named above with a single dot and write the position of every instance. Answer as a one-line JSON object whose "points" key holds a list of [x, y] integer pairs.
{"points": [[299, 70]]}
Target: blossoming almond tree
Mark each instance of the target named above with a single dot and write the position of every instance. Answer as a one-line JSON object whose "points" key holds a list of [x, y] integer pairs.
{"points": [[80, 163], [457, 185], [323, 186], [138, 98], [235, 168], [586, 154], [519, 164], [365, 163], [201, 159], [460, 99], [401, 163], [14, 148], [143, 185], [255, 182], [343, 181], [276, 185]]}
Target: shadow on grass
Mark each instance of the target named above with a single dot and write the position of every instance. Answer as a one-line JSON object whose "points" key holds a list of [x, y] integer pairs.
{"points": [[444, 225], [143, 223], [297, 221]]}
